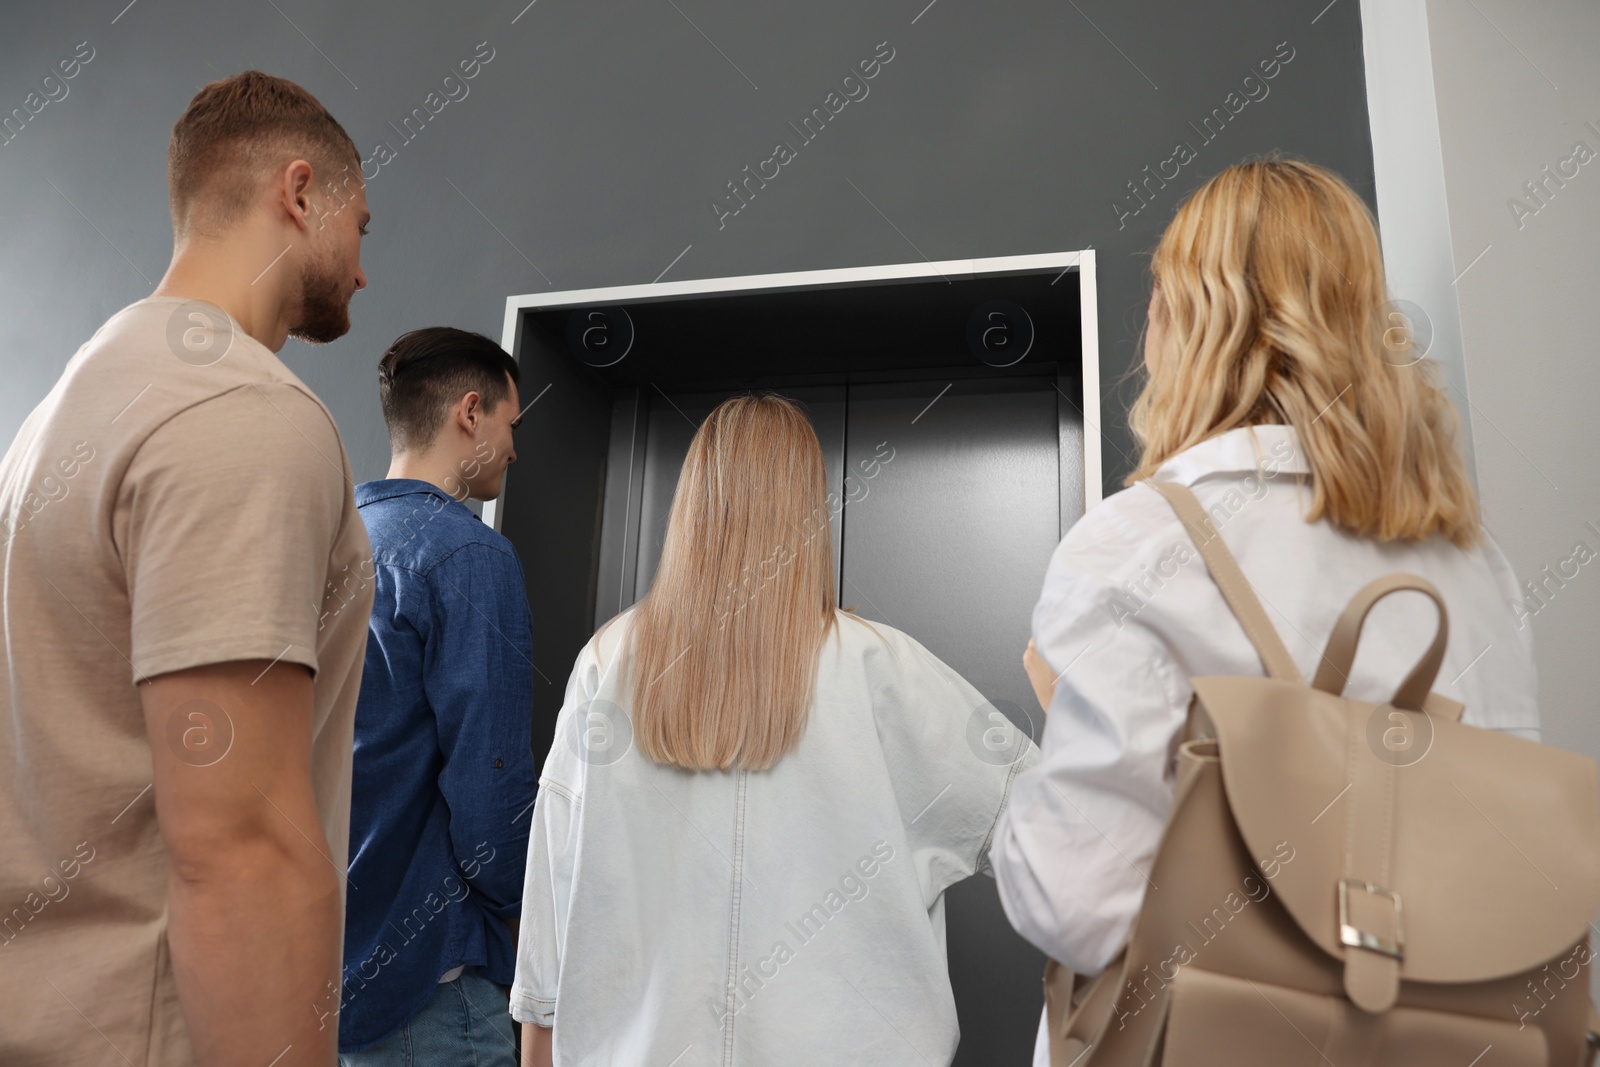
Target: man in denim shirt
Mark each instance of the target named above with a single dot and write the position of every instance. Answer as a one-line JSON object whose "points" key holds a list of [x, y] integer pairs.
{"points": [[443, 772]]}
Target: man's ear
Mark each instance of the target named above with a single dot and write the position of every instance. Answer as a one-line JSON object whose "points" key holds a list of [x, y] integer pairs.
{"points": [[294, 194], [469, 411]]}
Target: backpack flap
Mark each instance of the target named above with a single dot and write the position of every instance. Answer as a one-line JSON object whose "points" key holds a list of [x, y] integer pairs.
{"points": [[1491, 843]]}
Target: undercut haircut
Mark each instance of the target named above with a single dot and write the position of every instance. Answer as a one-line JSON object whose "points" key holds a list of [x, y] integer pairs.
{"points": [[427, 371], [235, 133]]}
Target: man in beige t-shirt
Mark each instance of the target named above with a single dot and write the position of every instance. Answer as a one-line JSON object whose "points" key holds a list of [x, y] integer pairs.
{"points": [[184, 592]]}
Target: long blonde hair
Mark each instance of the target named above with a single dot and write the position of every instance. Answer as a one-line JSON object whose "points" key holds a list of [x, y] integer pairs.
{"points": [[1277, 312], [725, 647]]}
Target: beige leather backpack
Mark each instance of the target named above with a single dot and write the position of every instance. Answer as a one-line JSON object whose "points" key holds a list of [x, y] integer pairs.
{"points": [[1343, 883]]}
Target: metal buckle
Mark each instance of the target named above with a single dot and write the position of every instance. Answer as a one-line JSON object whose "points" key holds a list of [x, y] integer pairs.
{"points": [[1356, 938]]}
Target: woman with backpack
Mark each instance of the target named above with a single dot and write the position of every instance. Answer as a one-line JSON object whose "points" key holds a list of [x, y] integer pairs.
{"points": [[1283, 391]]}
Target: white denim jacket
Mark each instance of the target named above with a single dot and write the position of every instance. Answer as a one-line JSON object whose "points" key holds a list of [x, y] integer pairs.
{"points": [[793, 916], [1129, 614]]}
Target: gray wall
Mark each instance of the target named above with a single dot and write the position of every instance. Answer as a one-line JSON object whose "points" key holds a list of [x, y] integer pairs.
{"points": [[590, 149], [1517, 88], [1514, 95]]}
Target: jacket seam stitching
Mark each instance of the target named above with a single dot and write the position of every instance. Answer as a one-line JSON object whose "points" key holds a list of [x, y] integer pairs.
{"points": [[556, 787], [734, 917], [1005, 800]]}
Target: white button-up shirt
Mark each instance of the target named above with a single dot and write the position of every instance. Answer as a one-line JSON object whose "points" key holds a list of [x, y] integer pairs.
{"points": [[793, 916], [1129, 614]]}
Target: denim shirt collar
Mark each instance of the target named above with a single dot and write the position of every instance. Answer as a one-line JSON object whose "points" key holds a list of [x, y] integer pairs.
{"points": [[385, 488]]}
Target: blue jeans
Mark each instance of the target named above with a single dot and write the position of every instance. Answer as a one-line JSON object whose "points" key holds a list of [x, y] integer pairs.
{"points": [[466, 1023]]}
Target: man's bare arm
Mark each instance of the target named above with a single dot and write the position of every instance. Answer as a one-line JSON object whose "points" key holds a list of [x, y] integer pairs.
{"points": [[254, 901]]}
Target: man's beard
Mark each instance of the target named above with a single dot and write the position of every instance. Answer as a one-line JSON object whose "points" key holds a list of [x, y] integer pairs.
{"points": [[324, 308]]}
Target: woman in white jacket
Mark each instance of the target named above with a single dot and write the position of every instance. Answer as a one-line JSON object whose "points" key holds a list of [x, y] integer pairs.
{"points": [[754, 802], [1282, 389]]}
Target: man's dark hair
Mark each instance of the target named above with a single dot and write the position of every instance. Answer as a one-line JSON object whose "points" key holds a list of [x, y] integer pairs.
{"points": [[426, 371], [235, 132]]}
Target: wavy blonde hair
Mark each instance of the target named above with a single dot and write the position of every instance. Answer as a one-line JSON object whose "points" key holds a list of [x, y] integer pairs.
{"points": [[724, 656], [1277, 312]]}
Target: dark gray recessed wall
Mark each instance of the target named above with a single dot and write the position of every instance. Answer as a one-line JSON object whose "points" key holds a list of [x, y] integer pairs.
{"points": [[591, 148]]}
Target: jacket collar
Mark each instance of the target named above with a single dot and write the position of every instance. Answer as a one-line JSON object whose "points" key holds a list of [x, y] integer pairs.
{"points": [[1269, 449]]}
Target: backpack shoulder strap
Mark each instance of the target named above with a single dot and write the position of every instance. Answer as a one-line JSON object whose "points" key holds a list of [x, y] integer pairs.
{"points": [[1231, 581]]}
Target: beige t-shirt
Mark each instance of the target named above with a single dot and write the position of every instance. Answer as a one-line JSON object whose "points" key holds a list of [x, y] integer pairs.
{"points": [[179, 498]]}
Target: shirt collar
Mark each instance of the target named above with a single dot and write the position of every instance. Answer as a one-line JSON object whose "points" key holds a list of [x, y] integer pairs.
{"points": [[1268, 448], [384, 488]]}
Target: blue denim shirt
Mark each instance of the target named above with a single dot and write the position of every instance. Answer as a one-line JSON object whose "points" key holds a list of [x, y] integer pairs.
{"points": [[443, 773]]}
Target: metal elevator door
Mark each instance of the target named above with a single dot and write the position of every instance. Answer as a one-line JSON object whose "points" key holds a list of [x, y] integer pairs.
{"points": [[951, 496]]}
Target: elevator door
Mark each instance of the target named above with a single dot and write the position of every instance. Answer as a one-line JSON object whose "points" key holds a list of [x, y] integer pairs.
{"points": [[951, 508]]}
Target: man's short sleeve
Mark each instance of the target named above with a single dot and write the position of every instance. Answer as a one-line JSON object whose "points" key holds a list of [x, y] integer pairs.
{"points": [[226, 518]]}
